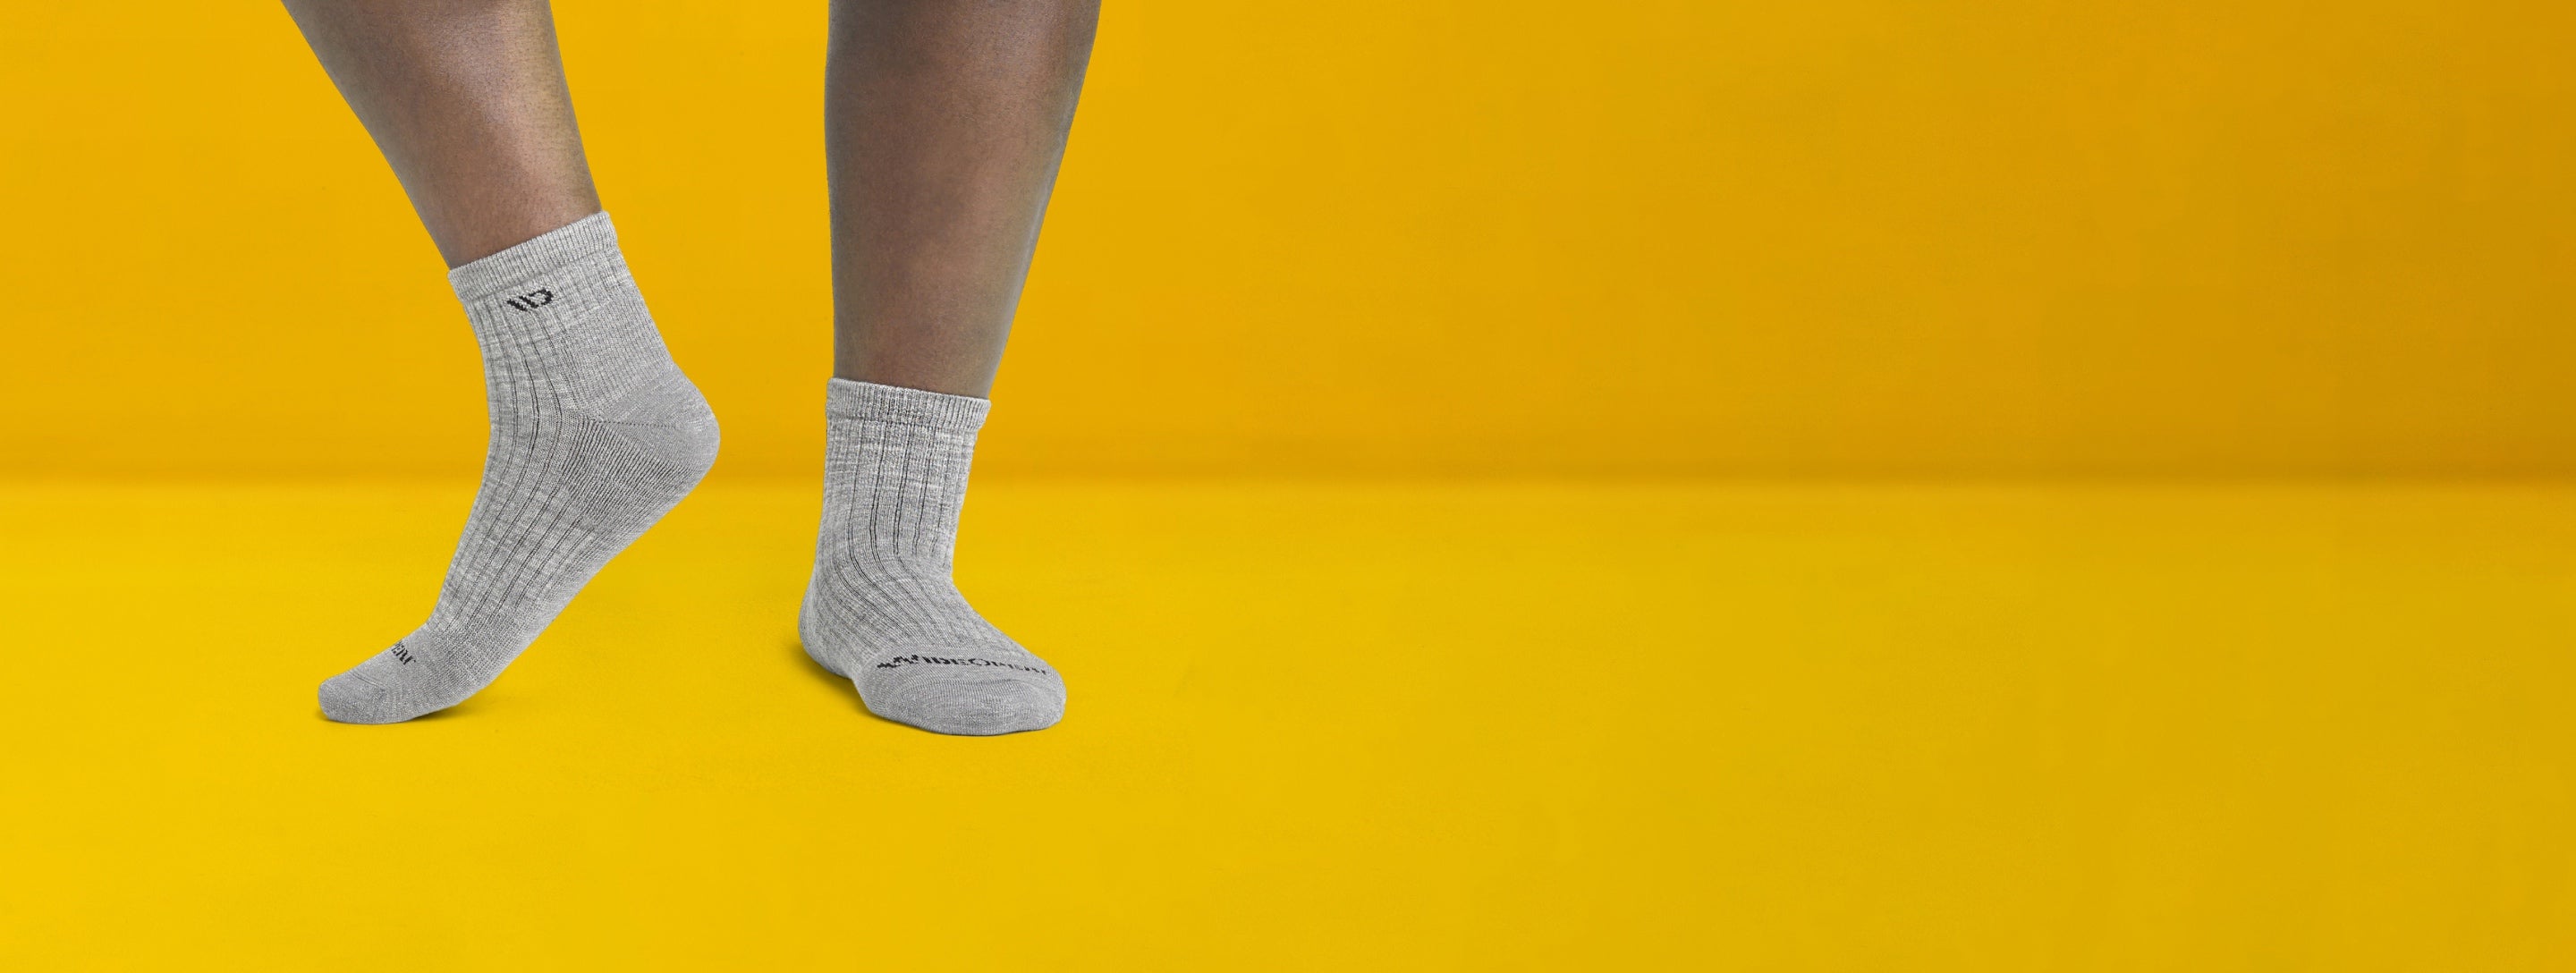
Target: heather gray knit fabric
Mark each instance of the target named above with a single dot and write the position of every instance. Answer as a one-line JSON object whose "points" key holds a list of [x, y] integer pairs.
{"points": [[595, 435], [881, 609]]}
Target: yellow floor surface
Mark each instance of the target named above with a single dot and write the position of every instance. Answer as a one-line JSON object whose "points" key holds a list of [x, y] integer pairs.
{"points": [[1330, 727]]}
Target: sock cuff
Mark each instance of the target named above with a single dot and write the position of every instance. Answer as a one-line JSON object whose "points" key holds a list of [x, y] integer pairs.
{"points": [[546, 253], [849, 401]]}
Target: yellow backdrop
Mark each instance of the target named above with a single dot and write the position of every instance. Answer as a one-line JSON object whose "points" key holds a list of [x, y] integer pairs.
{"points": [[2194, 238], [1554, 725]]}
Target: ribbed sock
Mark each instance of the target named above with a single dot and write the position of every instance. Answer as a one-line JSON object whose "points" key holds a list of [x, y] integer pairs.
{"points": [[881, 609], [595, 435]]}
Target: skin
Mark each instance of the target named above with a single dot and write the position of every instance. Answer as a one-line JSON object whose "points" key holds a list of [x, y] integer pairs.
{"points": [[466, 98], [944, 121]]}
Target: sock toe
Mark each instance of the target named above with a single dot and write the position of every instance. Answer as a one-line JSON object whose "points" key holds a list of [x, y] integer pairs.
{"points": [[350, 698], [969, 705]]}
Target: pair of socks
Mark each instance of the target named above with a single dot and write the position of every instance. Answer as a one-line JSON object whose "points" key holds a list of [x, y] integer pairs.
{"points": [[595, 434]]}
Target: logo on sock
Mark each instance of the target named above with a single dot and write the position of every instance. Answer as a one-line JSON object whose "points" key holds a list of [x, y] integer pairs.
{"points": [[950, 660], [401, 653], [533, 300]]}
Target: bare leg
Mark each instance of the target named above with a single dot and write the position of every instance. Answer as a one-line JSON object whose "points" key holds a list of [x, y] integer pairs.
{"points": [[466, 98], [944, 120]]}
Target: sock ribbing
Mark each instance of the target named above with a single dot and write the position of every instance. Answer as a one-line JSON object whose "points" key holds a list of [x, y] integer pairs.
{"points": [[882, 608]]}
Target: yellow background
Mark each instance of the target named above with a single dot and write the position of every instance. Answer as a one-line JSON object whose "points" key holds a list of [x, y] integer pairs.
{"points": [[1422, 238], [1510, 486]]}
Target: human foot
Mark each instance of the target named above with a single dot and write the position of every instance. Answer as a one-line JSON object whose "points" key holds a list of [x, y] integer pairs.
{"points": [[595, 435], [881, 609]]}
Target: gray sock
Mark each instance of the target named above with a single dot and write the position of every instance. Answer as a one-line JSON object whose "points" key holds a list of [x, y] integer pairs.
{"points": [[595, 435], [881, 609]]}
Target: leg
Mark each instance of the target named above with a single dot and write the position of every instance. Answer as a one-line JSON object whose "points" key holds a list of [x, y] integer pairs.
{"points": [[466, 98], [945, 120], [595, 432]]}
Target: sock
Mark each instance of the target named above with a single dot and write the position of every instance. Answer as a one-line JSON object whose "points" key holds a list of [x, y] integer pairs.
{"points": [[595, 435], [881, 609]]}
